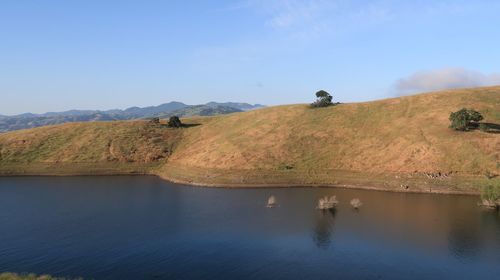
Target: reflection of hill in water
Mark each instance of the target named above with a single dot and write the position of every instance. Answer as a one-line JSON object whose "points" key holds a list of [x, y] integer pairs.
{"points": [[136, 227]]}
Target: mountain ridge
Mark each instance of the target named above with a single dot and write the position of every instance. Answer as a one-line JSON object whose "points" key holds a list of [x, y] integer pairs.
{"points": [[30, 120]]}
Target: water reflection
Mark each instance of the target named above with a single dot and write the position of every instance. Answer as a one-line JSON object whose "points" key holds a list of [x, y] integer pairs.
{"points": [[464, 233], [135, 227], [324, 228]]}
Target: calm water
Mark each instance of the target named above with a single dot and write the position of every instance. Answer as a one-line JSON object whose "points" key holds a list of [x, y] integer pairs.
{"points": [[145, 228]]}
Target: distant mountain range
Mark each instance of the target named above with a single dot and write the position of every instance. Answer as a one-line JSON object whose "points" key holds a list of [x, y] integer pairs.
{"points": [[29, 120]]}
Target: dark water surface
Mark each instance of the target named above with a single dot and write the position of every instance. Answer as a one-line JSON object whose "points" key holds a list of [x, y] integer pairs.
{"points": [[145, 228]]}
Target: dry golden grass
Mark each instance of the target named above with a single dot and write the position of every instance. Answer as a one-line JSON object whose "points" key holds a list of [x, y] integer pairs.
{"points": [[76, 148], [355, 143], [404, 134]]}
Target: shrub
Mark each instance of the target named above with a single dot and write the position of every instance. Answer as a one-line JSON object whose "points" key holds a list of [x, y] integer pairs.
{"points": [[490, 194], [356, 203], [463, 118], [174, 121], [323, 99], [326, 202]]}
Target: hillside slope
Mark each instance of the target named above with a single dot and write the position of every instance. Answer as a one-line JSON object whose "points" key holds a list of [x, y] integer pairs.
{"points": [[387, 143], [87, 148], [399, 134]]}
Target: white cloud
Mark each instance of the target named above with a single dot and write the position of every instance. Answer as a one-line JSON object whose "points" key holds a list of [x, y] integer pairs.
{"points": [[310, 15], [322, 16], [445, 78], [287, 13], [302, 21]]}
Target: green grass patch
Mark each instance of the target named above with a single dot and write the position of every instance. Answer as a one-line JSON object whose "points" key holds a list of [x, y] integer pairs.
{"points": [[490, 190]]}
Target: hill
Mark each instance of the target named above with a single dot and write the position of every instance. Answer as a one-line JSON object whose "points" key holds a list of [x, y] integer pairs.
{"points": [[237, 105], [87, 148], [200, 110], [29, 120], [399, 144]]}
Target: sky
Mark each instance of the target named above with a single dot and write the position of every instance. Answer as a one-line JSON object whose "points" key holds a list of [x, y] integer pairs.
{"points": [[84, 54]]}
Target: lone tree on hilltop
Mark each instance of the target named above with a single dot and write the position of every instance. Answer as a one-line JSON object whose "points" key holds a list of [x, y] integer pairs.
{"points": [[323, 99], [174, 121], [464, 118]]}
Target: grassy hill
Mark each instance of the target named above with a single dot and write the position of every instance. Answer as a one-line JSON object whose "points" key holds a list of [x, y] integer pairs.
{"points": [[87, 148], [385, 144]]}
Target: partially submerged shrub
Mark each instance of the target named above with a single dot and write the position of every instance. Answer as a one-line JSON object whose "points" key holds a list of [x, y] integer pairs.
{"points": [[463, 119], [271, 202], [490, 194], [356, 203], [326, 202]]}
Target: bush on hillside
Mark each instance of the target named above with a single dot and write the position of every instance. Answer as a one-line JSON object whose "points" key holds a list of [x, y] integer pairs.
{"points": [[464, 118], [174, 121], [323, 99]]}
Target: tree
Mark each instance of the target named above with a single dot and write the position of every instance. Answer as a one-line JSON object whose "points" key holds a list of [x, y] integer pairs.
{"points": [[324, 99], [174, 121], [463, 118]]}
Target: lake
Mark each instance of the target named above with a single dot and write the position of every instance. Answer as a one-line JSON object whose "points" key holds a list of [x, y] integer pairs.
{"points": [[140, 227]]}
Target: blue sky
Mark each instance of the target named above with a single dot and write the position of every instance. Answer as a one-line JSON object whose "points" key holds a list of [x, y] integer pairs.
{"points": [[58, 55]]}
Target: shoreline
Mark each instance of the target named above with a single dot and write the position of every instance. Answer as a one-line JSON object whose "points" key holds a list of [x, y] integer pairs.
{"points": [[213, 178], [462, 184], [295, 185], [248, 185]]}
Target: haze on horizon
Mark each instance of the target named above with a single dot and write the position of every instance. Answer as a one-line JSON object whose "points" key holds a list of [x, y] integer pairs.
{"points": [[61, 55]]}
